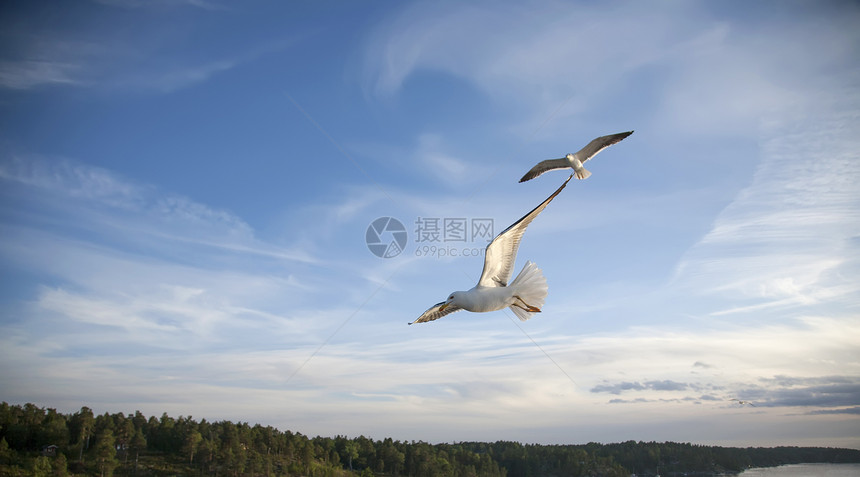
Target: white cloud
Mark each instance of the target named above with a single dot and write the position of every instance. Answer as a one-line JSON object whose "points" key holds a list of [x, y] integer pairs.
{"points": [[539, 49], [431, 157], [129, 212], [497, 382], [660, 363], [168, 80], [42, 56], [704, 76], [788, 238], [74, 180], [31, 73]]}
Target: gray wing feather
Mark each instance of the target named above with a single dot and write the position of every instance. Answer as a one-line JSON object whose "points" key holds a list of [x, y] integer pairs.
{"points": [[544, 166], [501, 253], [599, 144], [433, 313]]}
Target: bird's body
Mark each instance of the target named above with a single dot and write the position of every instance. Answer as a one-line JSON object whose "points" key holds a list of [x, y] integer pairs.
{"points": [[481, 299], [576, 161], [524, 296]]}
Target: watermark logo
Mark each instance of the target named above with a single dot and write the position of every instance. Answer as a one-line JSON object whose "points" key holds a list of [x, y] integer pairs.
{"points": [[435, 236], [453, 229], [386, 237]]}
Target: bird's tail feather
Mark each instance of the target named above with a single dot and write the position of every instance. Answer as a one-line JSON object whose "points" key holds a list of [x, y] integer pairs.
{"points": [[582, 173], [530, 289]]}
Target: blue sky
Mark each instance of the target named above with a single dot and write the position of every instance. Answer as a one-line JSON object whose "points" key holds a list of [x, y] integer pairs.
{"points": [[186, 186]]}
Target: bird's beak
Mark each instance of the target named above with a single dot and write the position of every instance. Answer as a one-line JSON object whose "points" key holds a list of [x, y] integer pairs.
{"points": [[442, 308]]}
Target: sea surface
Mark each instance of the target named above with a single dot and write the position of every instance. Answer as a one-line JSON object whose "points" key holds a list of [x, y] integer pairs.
{"points": [[805, 470]]}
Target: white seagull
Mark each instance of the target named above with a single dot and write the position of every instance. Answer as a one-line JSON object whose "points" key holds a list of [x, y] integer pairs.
{"points": [[525, 295], [576, 161], [742, 403]]}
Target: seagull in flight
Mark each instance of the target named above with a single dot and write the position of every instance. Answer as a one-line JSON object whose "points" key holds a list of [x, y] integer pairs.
{"points": [[742, 403], [576, 161], [525, 295]]}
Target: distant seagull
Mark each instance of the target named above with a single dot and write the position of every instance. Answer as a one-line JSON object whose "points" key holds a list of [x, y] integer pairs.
{"points": [[525, 295], [742, 403], [576, 161]]}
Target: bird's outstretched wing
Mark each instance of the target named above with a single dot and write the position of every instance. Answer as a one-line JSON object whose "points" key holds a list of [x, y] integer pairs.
{"points": [[501, 253], [584, 154], [434, 312], [544, 166], [599, 144]]}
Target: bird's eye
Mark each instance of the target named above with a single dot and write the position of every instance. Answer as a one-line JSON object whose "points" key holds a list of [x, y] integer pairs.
{"points": [[451, 297]]}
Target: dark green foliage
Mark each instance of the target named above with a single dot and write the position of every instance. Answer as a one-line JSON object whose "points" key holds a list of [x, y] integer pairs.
{"points": [[669, 458], [139, 446]]}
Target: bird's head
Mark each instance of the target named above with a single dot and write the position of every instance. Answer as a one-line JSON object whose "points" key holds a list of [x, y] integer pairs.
{"points": [[454, 298]]}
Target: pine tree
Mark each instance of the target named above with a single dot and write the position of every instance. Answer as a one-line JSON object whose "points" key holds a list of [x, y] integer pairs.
{"points": [[105, 452], [192, 441], [138, 442], [84, 422]]}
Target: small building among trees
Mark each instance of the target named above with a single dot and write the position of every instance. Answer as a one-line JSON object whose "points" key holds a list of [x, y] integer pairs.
{"points": [[50, 451]]}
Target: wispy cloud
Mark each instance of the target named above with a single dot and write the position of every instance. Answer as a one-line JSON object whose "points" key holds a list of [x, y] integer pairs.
{"points": [[202, 4], [169, 80], [462, 372], [789, 236], [512, 47], [35, 59], [75, 180], [836, 394], [618, 388], [31, 73], [44, 55], [849, 410], [158, 264], [98, 72], [714, 78], [135, 273]]}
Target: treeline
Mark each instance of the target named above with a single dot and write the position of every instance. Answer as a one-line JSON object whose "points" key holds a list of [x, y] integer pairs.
{"points": [[42, 442]]}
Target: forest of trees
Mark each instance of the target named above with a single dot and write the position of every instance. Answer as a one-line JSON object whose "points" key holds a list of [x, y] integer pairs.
{"points": [[42, 442]]}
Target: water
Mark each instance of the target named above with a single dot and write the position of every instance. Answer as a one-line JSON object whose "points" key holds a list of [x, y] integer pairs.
{"points": [[805, 470]]}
